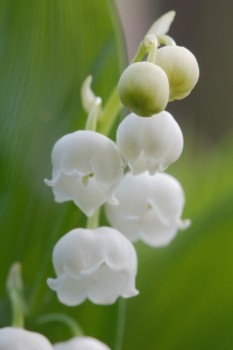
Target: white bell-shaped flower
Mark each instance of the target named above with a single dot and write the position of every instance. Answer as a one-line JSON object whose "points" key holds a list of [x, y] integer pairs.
{"points": [[99, 265], [12, 338], [150, 208], [181, 68], [149, 143], [81, 343], [87, 168]]}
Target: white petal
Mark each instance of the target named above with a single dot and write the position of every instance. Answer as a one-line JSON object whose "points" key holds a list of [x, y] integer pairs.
{"points": [[130, 137], [107, 166], [167, 193], [150, 208], [99, 264], [81, 343], [73, 151], [155, 232], [20, 339], [87, 168], [88, 197], [107, 285], [70, 291], [151, 143]]}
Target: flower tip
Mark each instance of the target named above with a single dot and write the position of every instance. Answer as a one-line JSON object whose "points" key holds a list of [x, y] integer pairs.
{"points": [[150, 41], [134, 293], [113, 200], [14, 280], [171, 13], [48, 182], [184, 224], [98, 101], [131, 293], [163, 23], [52, 283]]}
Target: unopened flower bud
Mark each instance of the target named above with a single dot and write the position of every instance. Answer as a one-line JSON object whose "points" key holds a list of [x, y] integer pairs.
{"points": [[144, 88], [181, 68]]}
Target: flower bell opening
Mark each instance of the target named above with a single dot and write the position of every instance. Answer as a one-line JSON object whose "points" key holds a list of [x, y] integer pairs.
{"points": [[150, 208], [87, 167], [107, 272]]}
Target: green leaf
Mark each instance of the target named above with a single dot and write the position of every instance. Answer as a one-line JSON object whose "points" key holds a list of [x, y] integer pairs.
{"points": [[47, 50]]}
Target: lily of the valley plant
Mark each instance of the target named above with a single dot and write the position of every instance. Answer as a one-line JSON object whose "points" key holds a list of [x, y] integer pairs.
{"points": [[141, 202]]}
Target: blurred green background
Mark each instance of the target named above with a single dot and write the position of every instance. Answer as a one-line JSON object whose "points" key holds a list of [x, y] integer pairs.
{"points": [[47, 48]]}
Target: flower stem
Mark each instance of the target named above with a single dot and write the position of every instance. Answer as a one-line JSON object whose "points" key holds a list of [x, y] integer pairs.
{"points": [[113, 106], [17, 309], [93, 114], [14, 287], [109, 113], [120, 324], [151, 44], [72, 325], [166, 40], [141, 53], [93, 221]]}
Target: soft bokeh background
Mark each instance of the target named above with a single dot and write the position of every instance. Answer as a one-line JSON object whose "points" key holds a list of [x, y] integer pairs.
{"points": [[186, 299], [46, 50]]}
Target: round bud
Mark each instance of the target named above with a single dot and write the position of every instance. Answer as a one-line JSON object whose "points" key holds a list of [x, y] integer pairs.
{"points": [[144, 88], [181, 68]]}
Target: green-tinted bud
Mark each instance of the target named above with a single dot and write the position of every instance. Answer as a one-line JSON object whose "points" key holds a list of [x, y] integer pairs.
{"points": [[181, 68], [144, 88]]}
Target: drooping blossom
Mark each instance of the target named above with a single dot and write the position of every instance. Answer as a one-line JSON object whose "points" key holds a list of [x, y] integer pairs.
{"points": [[99, 265], [12, 338], [81, 343], [150, 208], [87, 168], [150, 144]]}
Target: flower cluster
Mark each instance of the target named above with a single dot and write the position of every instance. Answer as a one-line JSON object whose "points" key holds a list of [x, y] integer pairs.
{"points": [[147, 87], [127, 176]]}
